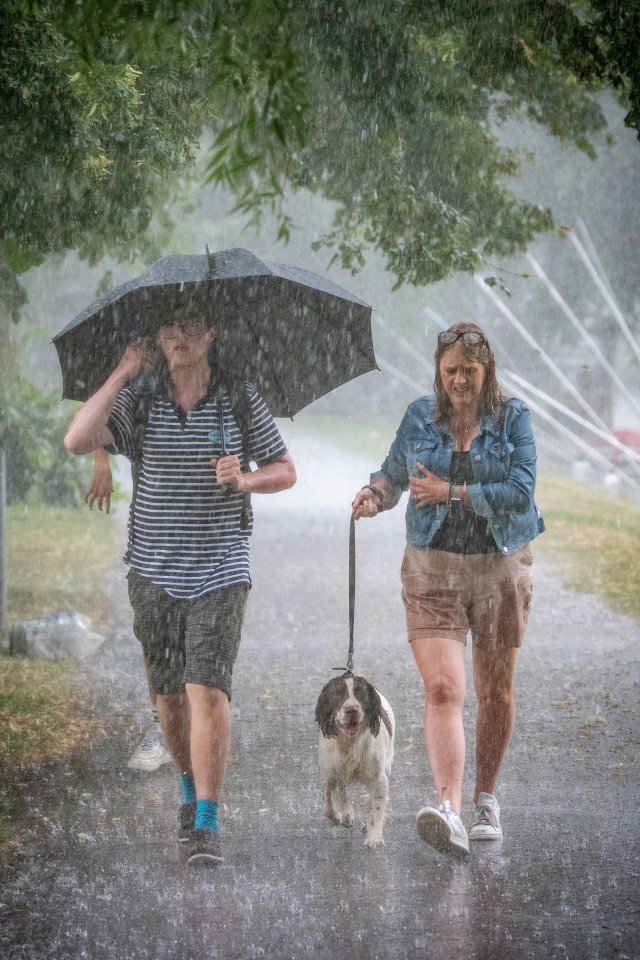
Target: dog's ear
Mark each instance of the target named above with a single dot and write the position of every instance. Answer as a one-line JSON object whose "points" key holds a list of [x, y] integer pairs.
{"points": [[326, 711], [369, 697]]}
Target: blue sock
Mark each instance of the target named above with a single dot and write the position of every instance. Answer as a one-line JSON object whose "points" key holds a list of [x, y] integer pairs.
{"points": [[206, 815], [188, 788]]}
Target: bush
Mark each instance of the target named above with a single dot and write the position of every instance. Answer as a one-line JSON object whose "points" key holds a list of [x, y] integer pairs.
{"points": [[33, 425]]}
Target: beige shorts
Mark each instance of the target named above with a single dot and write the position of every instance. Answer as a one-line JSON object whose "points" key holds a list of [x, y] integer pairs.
{"points": [[452, 594]]}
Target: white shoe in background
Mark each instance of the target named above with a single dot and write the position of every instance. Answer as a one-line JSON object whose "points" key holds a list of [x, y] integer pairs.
{"points": [[151, 753]]}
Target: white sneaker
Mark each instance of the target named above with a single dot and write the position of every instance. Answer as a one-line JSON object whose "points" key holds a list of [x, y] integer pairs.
{"points": [[486, 822], [443, 829], [151, 753]]}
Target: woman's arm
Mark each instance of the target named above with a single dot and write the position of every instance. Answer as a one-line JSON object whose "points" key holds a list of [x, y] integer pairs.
{"points": [[372, 498], [101, 483]]}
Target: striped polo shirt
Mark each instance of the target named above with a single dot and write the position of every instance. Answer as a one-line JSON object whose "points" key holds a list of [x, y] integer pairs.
{"points": [[184, 528]]}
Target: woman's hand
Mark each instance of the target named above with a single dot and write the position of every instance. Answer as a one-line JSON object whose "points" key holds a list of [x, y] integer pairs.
{"points": [[366, 503], [428, 488], [101, 483]]}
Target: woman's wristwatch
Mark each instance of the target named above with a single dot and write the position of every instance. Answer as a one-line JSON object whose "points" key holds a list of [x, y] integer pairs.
{"points": [[455, 493]]}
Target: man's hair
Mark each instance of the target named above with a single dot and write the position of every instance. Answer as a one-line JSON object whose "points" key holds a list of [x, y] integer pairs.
{"points": [[196, 307]]}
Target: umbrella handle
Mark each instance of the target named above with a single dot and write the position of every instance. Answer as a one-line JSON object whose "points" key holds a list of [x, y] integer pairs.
{"points": [[226, 489]]}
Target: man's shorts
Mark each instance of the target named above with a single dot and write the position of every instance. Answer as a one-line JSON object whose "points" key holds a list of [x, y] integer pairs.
{"points": [[451, 594], [187, 641]]}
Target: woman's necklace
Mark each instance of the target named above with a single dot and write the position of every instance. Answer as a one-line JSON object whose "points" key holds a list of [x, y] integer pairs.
{"points": [[462, 431]]}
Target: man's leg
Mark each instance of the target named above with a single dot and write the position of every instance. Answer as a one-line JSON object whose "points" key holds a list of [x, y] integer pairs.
{"points": [[212, 638], [174, 712], [210, 738]]}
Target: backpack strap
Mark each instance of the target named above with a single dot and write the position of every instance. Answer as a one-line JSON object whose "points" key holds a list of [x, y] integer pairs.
{"points": [[241, 406]]}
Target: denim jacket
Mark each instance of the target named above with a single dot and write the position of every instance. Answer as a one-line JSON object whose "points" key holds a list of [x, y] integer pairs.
{"points": [[503, 457]]}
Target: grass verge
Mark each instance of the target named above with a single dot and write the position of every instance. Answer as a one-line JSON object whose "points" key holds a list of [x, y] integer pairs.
{"points": [[593, 541], [57, 559]]}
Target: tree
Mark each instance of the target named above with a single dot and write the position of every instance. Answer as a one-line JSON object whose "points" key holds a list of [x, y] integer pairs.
{"points": [[405, 100], [387, 107], [604, 46]]}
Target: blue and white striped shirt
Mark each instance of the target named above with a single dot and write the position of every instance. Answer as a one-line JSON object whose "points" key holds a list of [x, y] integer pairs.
{"points": [[184, 529]]}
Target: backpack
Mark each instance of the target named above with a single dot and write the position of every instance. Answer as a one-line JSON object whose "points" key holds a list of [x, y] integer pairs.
{"points": [[145, 388]]}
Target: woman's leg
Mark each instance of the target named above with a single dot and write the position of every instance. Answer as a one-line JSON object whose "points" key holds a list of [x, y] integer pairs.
{"points": [[493, 671], [441, 665]]}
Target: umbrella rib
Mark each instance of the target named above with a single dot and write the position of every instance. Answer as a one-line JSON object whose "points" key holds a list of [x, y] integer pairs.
{"points": [[336, 326], [256, 337]]}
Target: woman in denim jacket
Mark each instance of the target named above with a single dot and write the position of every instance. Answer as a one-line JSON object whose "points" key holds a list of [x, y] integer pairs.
{"points": [[467, 456]]}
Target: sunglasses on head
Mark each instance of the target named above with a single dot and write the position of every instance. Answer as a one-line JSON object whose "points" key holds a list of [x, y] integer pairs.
{"points": [[472, 337]]}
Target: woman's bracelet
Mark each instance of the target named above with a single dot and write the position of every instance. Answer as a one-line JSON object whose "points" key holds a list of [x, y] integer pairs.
{"points": [[374, 490]]}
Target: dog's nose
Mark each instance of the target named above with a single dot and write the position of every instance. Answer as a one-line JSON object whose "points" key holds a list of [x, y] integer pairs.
{"points": [[351, 712]]}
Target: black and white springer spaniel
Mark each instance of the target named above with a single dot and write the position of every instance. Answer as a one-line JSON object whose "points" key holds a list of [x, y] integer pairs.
{"points": [[356, 746]]}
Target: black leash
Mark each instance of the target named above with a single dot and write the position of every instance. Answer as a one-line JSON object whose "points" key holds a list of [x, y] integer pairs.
{"points": [[352, 592], [352, 588]]}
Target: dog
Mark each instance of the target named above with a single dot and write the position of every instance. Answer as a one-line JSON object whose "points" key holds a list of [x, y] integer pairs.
{"points": [[356, 746]]}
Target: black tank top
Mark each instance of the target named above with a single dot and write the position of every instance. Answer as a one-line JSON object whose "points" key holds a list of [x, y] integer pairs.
{"points": [[463, 531]]}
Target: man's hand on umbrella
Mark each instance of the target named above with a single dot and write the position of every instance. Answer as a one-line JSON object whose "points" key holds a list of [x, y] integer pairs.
{"points": [[137, 357], [228, 472]]}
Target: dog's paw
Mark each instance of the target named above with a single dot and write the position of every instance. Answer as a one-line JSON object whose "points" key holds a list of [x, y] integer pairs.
{"points": [[347, 817], [373, 839]]}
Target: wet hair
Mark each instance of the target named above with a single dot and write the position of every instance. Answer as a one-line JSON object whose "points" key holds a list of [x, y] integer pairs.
{"points": [[196, 306], [491, 398]]}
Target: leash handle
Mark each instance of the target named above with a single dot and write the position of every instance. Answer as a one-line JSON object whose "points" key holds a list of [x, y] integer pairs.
{"points": [[352, 588]]}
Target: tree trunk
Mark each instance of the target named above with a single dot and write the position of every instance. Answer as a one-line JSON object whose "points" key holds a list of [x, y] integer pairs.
{"points": [[8, 345]]}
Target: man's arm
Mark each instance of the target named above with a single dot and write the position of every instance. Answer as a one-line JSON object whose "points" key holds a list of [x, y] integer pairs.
{"points": [[88, 429], [271, 478]]}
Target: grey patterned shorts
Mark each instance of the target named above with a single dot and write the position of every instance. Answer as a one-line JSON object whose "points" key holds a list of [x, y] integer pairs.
{"points": [[187, 641]]}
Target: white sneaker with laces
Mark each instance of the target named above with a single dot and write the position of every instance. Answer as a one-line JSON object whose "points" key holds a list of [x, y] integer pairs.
{"points": [[151, 753], [486, 822], [442, 828]]}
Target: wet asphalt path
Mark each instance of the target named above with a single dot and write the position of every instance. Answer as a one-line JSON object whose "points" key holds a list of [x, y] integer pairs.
{"points": [[98, 874]]}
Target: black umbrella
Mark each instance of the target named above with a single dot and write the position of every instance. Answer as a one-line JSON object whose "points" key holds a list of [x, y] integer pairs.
{"points": [[293, 333]]}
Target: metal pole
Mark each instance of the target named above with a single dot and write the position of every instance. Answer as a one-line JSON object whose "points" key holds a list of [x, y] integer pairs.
{"points": [[545, 358], [3, 547], [609, 300], [568, 312]]}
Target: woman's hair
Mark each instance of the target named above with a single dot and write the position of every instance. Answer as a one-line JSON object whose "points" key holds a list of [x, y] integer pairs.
{"points": [[491, 399]]}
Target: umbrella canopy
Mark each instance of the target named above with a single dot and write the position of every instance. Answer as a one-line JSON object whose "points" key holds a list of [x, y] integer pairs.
{"points": [[293, 333]]}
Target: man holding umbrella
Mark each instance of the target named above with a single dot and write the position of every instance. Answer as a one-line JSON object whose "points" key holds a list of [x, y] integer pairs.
{"points": [[188, 538]]}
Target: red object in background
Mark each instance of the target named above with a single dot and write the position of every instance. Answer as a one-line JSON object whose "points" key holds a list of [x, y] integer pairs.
{"points": [[630, 438]]}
